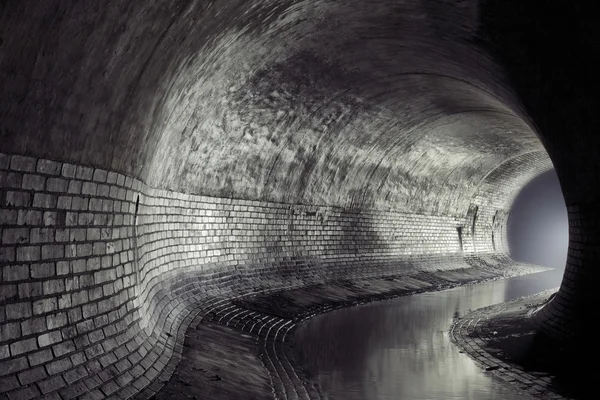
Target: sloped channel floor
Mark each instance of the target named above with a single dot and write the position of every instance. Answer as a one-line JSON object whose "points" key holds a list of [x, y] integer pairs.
{"points": [[255, 347]]}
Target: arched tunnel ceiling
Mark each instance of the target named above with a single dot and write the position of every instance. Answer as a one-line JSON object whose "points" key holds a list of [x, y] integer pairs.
{"points": [[356, 104]]}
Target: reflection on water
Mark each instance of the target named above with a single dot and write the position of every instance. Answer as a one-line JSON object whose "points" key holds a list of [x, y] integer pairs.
{"points": [[400, 349]]}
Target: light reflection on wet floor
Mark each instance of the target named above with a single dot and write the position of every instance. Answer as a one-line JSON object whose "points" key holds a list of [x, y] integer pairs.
{"points": [[400, 349]]}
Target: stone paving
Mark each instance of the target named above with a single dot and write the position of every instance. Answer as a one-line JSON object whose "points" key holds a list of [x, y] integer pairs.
{"points": [[483, 335], [257, 327]]}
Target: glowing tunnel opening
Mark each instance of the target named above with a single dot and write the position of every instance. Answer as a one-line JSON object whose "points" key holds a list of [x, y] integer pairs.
{"points": [[538, 228]]}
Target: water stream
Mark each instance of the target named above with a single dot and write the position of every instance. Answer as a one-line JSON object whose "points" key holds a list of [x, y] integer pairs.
{"points": [[400, 349]]}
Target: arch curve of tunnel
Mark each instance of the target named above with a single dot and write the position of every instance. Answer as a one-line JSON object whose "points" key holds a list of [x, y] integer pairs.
{"points": [[156, 154]]}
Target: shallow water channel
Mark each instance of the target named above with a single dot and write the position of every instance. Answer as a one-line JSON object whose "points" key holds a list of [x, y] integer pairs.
{"points": [[400, 349]]}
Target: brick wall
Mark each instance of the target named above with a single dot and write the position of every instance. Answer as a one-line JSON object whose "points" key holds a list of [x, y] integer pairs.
{"points": [[487, 217], [566, 316], [99, 271]]}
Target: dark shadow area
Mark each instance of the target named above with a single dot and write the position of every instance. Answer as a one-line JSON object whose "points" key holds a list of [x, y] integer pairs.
{"points": [[516, 340], [570, 376], [538, 226]]}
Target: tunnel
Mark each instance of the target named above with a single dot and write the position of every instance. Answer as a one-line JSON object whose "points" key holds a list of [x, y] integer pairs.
{"points": [[159, 156]]}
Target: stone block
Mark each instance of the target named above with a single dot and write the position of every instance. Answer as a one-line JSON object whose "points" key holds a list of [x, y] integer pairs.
{"points": [[102, 190], [40, 357], [76, 374], [80, 204], [63, 348], [8, 217], [84, 250], [8, 292], [64, 202], [15, 272], [100, 175], [71, 218], [84, 173], [13, 365], [75, 187], [53, 286], [107, 206], [78, 358], [104, 276], [68, 170], [41, 235], [99, 248], [111, 178], [58, 366], [10, 330], [42, 200], [95, 205], [57, 320], [63, 268], [74, 315], [44, 306], [25, 393], [49, 218], [85, 219], [89, 188], [64, 301], [15, 235], [74, 391], [22, 163], [52, 251], [89, 310], [28, 253], [50, 338], [93, 234], [32, 326], [57, 185], [17, 199], [4, 161], [30, 289], [71, 283], [80, 297], [49, 167], [12, 180], [43, 270], [4, 352], [33, 182], [23, 346], [52, 384], [9, 383], [62, 235], [29, 217], [95, 293], [101, 321], [32, 375]]}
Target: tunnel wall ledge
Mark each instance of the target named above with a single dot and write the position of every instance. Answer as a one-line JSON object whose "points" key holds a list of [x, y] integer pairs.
{"points": [[101, 274]]}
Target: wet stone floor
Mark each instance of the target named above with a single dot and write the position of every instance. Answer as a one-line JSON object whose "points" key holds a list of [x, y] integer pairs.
{"points": [[291, 345], [401, 349]]}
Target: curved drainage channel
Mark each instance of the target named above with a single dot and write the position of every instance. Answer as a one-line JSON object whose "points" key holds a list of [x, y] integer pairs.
{"points": [[400, 348]]}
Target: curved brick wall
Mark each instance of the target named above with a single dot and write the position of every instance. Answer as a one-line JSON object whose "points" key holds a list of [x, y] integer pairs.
{"points": [[100, 271], [215, 149]]}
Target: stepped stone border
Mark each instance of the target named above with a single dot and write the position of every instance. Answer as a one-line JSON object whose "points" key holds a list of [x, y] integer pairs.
{"points": [[273, 333], [470, 334]]}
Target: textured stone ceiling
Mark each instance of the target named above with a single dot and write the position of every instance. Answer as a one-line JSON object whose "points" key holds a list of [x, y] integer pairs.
{"points": [[387, 104]]}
